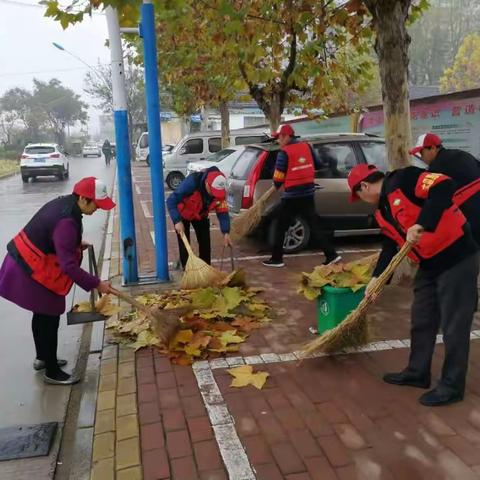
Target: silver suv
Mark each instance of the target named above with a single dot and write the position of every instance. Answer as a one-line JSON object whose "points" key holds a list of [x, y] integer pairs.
{"points": [[252, 175]]}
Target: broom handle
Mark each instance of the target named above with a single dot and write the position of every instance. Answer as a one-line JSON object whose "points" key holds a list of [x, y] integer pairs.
{"points": [[382, 280], [187, 244], [132, 301], [396, 260]]}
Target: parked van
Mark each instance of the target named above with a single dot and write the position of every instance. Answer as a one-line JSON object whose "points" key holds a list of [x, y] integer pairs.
{"points": [[194, 147]]}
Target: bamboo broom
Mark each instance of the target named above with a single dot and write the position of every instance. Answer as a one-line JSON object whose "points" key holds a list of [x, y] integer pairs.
{"points": [[247, 221], [353, 331], [165, 322], [198, 274]]}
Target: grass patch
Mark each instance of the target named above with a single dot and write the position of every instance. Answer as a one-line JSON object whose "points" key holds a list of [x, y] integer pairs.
{"points": [[8, 166]]}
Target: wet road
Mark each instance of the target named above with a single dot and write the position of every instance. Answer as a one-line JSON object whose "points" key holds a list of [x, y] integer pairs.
{"points": [[24, 398]]}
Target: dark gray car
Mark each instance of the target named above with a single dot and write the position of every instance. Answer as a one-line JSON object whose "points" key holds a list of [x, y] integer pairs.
{"points": [[252, 175]]}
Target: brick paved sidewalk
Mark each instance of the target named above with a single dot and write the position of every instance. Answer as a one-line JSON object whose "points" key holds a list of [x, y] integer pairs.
{"points": [[326, 418]]}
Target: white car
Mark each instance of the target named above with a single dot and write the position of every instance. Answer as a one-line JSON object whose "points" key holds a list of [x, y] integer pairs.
{"points": [[91, 149], [223, 160], [43, 160]]}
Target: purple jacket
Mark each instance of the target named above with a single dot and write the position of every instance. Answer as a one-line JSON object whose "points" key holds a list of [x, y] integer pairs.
{"points": [[17, 287]]}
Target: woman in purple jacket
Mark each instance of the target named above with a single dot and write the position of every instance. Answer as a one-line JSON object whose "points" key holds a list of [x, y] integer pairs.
{"points": [[43, 262]]}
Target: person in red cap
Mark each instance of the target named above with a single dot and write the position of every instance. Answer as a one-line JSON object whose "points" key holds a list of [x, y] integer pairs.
{"points": [[191, 203], [461, 167], [417, 206], [295, 171], [42, 264]]}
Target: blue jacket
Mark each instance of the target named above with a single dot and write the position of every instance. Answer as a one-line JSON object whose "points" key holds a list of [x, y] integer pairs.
{"points": [[281, 165], [195, 182]]}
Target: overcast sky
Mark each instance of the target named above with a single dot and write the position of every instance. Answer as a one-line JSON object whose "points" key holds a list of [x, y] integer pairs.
{"points": [[26, 49]]}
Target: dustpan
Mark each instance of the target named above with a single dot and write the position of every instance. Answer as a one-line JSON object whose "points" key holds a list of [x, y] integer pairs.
{"points": [[75, 318]]}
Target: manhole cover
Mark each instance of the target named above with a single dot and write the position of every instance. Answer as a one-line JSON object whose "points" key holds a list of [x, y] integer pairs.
{"points": [[24, 441]]}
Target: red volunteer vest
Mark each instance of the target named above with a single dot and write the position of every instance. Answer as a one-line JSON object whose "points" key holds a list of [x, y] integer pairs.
{"points": [[466, 192], [301, 166], [405, 213], [45, 268], [191, 208]]}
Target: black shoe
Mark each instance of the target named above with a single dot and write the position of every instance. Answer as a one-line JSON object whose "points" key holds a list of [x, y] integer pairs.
{"points": [[406, 378], [60, 378], [333, 259], [40, 364], [273, 263], [439, 396]]}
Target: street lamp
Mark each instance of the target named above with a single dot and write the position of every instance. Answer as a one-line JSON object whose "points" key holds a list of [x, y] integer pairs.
{"points": [[93, 69]]}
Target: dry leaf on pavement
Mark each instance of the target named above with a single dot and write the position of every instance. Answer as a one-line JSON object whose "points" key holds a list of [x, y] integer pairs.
{"points": [[244, 376]]}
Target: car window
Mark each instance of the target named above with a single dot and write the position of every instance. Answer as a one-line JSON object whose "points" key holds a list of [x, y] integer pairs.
{"points": [[245, 163], [194, 145], [214, 144], [144, 141], [269, 166], [250, 139], [217, 157], [336, 159], [375, 154], [39, 150]]}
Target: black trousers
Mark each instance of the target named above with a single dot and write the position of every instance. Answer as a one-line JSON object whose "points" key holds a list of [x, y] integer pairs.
{"points": [[45, 336], [202, 231], [289, 208], [446, 301]]}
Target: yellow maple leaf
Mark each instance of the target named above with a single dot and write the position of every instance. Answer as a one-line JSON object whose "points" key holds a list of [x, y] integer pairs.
{"points": [[145, 339], [230, 337], [244, 376]]}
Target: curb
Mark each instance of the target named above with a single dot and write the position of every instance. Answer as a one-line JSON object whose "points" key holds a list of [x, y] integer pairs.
{"points": [[8, 175]]}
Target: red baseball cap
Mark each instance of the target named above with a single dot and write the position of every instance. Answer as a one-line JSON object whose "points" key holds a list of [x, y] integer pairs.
{"points": [[284, 130], [218, 184], [357, 175], [96, 190], [426, 140]]}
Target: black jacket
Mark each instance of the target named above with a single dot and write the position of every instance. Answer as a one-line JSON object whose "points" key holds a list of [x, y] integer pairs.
{"points": [[439, 199], [463, 169]]}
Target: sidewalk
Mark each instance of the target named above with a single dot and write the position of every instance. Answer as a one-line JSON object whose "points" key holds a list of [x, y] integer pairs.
{"points": [[326, 418]]}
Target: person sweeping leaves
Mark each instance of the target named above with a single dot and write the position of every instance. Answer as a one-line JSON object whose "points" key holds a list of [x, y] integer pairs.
{"points": [[191, 203], [417, 206], [42, 264], [295, 171]]}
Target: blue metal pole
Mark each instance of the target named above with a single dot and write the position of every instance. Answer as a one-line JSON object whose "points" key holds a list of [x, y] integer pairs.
{"points": [[128, 244], [147, 32]]}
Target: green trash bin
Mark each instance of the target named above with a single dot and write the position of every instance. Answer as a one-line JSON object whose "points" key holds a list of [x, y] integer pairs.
{"points": [[334, 304]]}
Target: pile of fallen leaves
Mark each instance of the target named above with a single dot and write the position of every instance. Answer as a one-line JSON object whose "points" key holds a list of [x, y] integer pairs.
{"points": [[354, 275], [217, 321]]}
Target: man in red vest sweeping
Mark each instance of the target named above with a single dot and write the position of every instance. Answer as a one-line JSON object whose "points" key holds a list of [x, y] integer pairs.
{"points": [[295, 171], [191, 203], [461, 167], [418, 206], [42, 264]]}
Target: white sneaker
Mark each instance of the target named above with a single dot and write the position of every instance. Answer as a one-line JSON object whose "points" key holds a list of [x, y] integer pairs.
{"points": [[331, 261]]}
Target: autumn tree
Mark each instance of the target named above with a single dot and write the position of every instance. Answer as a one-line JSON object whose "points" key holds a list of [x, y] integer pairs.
{"points": [[289, 52], [389, 22], [464, 74]]}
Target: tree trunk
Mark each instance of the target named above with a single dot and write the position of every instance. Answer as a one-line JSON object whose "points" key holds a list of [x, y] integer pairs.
{"points": [[225, 121], [275, 113], [391, 46]]}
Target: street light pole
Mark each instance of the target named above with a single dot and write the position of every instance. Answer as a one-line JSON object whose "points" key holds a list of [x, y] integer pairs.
{"points": [[124, 174], [147, 32]]}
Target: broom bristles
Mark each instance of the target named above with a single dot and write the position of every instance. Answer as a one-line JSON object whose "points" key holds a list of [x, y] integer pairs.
{"points": [[199, 274], [247, 221], [354, 331]]}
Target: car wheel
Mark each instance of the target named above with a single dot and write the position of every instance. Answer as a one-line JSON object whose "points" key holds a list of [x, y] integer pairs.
{"points": [[174, 179], [25, 178], [66, 174], [297, 236]]}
